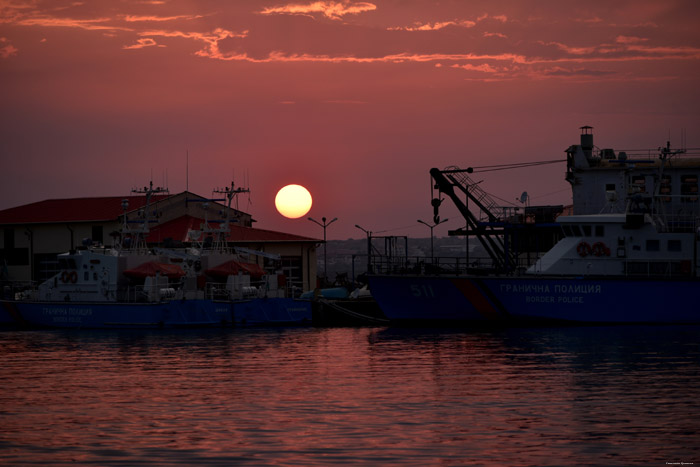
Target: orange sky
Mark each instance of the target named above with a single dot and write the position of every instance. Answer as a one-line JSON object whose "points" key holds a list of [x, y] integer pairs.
{"points": [[354, 100]]}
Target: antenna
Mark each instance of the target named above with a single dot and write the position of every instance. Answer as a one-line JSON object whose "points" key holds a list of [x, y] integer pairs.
{"points": [[524, 198], [187, 170], [683, 140]]}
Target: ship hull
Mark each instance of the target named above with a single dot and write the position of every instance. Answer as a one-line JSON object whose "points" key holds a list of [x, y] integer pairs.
{"points": [[171, 314], [415, 299], [96, 315], [273, 311]]}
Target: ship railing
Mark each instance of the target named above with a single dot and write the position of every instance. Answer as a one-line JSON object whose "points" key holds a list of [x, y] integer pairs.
{"points": [[216, 291], [13, 290], [658, 268], [132, 293], [682, 222], [438, 265], [256, 289], [142, 293], [645, 154]]}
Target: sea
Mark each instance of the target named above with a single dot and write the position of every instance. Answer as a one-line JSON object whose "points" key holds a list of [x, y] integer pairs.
{"points": [[603, 396]]}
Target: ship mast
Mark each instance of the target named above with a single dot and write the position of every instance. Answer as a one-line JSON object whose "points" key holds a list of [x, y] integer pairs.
{"points": [[137, 235], [665, 154], [222, 232]]}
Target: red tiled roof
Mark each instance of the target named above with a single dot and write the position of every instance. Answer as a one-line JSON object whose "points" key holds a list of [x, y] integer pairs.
{"points": [[150, 269], [73, 210], [233, 267], [179, 228]]}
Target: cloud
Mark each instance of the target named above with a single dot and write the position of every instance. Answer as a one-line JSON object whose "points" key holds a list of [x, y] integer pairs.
{"points": [[434, 26], [462, 43], [559, 71], [629, 39], [501, 18], [626, 49], [211, 39], [143, 42], [484, 67], [277, 56], [464, 23], [136, 18], [345, 102], [332, 10], [54, 22], [8, 51], [570, 49]]}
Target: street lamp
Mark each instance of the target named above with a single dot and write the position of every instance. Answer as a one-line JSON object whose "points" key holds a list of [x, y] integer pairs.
{"points": [[325, 247], [432, 226], [369, 247]]}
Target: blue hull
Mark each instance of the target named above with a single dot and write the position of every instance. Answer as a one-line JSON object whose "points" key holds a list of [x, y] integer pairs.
{"points": [[8, 315], [272, 311], [180, 313], [173, 314], [504, 300]]}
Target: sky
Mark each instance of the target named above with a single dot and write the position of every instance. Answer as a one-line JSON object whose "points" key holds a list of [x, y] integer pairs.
{"points": [[355, 100]]}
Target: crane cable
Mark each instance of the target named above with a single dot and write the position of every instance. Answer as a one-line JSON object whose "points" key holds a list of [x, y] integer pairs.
{"points": [[493, 168]]}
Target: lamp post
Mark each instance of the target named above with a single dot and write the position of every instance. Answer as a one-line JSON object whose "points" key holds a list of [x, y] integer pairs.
{"points": [[432, 226], [369, 247], [325, 247]]}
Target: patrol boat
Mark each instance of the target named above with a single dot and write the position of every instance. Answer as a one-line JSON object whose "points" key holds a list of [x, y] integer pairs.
{"points": [[625, 252], [134, 286]]}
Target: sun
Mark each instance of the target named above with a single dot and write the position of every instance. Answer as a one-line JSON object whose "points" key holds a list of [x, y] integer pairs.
{"points": [[293, 201]]}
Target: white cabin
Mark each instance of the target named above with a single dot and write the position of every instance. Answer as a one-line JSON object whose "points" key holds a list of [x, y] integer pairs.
{"points": [[618, 245]]}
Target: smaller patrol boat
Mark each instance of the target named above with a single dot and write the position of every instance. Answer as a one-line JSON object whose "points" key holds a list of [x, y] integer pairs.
{"points": [[133, 286]]}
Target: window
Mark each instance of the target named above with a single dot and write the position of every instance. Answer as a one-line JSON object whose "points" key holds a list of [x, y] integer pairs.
{"points": [[609, 187], [11, 254], [66, 263], [665, 189], [292, 268], [577, 230], [599, 231], [45, 266], [9, 237], [689, 188], [586, 230], [674, 245], [639, 182], [567, 230], [652, 245], [97, 234]]}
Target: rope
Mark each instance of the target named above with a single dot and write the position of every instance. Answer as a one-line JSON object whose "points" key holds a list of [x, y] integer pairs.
{"points": [[493, 168]]}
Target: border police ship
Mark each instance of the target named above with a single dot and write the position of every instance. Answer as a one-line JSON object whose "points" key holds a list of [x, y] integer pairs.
{"points": [[625, 252]]}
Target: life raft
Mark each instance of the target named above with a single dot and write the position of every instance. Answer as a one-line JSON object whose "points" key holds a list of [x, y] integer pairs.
{"points": [[584, 249], [600, 249], [71, 277]]}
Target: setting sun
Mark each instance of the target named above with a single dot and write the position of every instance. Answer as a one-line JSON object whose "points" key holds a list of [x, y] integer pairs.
{"points": [[293, 201]]}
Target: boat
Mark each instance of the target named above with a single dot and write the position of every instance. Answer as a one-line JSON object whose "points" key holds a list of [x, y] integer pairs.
{"points": [[132, 285], [336, 306], [626, 251]]}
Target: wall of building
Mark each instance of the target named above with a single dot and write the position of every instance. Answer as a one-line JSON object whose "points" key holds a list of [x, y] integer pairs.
{"points": [[298, 260]]}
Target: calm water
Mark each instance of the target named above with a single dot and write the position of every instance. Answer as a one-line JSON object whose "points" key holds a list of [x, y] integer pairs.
{"points": [[571, 396]]}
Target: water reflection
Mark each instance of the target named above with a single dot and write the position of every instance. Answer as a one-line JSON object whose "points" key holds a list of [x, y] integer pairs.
{"points": [[603, 396]]}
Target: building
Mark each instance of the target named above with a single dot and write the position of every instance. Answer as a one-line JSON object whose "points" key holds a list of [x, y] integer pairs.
{"points": [[32, 235]]}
